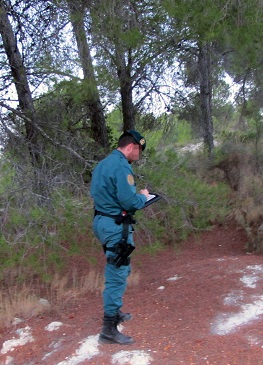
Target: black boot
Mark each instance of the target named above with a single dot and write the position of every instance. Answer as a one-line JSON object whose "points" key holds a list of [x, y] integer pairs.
{"points": [[110, 333], [123, 317]]}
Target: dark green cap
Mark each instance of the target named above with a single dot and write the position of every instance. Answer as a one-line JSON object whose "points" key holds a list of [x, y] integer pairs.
{"points": [[138, 138]]}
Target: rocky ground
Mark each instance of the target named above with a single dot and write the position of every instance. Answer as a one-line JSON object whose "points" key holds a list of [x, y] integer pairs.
{"points": [[200, 305]]}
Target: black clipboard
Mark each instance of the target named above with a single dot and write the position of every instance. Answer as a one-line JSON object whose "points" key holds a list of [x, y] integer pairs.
{"points": [[152, 199]]}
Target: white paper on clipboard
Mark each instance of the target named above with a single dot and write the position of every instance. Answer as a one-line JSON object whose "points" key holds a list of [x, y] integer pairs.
{"points": [[152, 198]]}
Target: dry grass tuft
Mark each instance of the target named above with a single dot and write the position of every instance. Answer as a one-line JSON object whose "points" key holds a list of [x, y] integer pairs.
{"points": [[244, 174], [134, 278], [67, 288], [93, 282], [249, 212], [19, 302], [23, 301]]}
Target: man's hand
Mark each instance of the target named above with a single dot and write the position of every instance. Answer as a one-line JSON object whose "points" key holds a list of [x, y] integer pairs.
{"points": [[145, 192]]}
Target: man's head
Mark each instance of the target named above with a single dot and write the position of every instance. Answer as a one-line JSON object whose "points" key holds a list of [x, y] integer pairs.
{"points": [[131, 143]]}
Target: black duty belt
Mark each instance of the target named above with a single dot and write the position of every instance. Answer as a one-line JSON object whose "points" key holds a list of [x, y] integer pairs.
{"points": [[97, 212]]}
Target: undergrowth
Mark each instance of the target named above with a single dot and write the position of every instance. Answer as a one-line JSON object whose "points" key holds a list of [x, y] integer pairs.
{"points": [[188, 203], [38, 239]]}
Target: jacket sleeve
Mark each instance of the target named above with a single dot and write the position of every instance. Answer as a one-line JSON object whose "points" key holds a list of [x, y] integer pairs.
{"points": [[126, 191]]}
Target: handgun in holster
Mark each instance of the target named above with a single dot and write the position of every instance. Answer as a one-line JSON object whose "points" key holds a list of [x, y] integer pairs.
{"points": [[124, 249]]}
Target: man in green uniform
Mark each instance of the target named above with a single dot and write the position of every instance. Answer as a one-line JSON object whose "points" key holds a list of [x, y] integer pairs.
{"points": [[116, 200]]}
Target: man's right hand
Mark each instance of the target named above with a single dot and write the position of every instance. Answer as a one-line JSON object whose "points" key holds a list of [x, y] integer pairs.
{"points": [[145, 192]]}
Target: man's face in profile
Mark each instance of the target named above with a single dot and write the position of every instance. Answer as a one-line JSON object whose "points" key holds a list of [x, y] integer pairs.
{"points": [[136, 153]]}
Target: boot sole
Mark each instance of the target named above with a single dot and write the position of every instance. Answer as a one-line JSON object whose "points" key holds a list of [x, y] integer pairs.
{"points": [[124, 320], [121, 322], [104, 340]]}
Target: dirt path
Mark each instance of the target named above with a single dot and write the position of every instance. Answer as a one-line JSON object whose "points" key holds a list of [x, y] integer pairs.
{"points": [[200, 306]]}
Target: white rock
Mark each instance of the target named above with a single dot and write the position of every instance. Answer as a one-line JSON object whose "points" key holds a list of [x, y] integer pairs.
{"points": [[53, 326]]}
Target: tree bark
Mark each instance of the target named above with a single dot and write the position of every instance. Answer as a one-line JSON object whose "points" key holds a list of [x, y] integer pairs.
{"points": [[98, 122], [204, 65], [124, 75], [18, 72]]}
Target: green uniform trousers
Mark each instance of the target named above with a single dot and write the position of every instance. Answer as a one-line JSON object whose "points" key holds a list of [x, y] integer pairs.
{"points": [[109, 233]]}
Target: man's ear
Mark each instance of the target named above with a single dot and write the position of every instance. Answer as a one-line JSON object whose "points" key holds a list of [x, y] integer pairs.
{"points": [[130, 147]]}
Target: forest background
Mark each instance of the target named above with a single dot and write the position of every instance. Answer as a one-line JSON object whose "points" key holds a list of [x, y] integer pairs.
{"points": [[74, 75]]}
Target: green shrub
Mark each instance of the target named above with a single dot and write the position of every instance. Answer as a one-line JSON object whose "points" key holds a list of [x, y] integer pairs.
{"points": [[189, 203], [39, 236], [43, 236]]}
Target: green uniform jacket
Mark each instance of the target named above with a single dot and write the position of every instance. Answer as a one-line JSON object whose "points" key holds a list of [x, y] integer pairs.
{"points": [[113, 188]]}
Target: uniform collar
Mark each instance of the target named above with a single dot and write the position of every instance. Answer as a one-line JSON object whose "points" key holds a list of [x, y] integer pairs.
{"points": [[117, 152]]}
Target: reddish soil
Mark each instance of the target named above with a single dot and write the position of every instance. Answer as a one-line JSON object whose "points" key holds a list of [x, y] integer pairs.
{"points": [[176, 324]]}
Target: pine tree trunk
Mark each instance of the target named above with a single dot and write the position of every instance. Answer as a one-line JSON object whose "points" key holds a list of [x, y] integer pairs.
{"points": [[125, 81], [204, 64], [98, 122], [18, 72]]}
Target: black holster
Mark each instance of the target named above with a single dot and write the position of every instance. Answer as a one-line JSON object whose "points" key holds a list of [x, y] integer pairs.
{"points": [[123, 250]]}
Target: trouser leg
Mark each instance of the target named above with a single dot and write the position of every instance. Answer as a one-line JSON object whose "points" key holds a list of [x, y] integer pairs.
{"points": [[115, 286]]}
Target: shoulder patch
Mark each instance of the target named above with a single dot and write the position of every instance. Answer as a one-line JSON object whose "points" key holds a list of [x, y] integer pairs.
{"points": [[130, 179]]}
